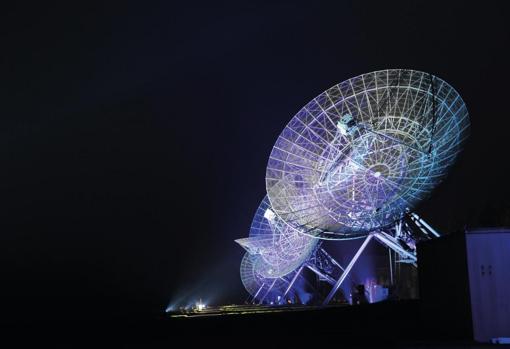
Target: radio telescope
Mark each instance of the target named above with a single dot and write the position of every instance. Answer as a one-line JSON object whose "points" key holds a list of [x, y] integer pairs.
{"points": [[281, 247], [361, 154], [275, 255], [356, 161], [258, 286]]}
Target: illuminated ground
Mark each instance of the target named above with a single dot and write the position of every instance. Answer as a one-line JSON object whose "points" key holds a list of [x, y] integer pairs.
{"points": [[402, 324], [245, 310]]}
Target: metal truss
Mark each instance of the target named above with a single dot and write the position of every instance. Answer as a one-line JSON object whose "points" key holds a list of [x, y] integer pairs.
{"points": [[400, 239]]}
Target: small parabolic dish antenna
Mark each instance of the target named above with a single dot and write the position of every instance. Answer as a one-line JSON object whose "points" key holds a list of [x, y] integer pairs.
{"points": [[281, 247]]}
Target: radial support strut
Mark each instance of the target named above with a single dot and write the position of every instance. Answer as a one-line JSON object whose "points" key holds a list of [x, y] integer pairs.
{"points": [[332, 259], [267, 292], [256, 294], [389, 241], [424, 226], [347, 270], [326, 277], [293, 280]]}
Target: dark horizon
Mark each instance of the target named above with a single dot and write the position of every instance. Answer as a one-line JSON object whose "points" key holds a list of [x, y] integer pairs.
{"points": [[135, 138]]}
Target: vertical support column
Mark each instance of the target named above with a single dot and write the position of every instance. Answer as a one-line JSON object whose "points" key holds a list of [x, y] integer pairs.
{"points": [[391, 267], [398, 228], [347, 270]]}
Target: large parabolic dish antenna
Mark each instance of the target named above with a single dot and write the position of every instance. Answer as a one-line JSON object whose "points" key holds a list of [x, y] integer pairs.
{"points": [[361, 154]]}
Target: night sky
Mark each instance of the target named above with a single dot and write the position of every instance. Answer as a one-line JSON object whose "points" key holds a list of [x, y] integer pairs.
{"points": [[134, 138]]}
